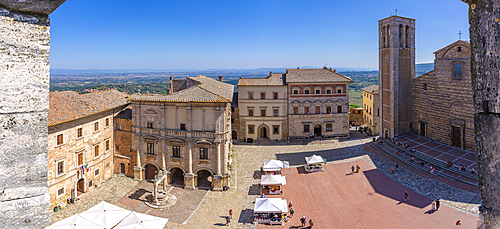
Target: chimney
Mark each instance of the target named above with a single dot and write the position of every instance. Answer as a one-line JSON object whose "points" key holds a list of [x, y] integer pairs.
{"points": [[334, 70], [170, 85], [220, 78]]}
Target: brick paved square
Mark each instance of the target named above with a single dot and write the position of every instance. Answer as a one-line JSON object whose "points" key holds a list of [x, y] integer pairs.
{"points": [[421, 140], [443, 148], [470, 157], [432, 144], [457, 152], [422, 148], [433, 153], [446, 157]]}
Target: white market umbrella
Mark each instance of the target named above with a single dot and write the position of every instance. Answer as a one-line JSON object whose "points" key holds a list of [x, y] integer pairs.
{"points": [[272, 165], [141, 221], [314, 159], [272, 180], [270, 205], [74, 222], [105, 214]]}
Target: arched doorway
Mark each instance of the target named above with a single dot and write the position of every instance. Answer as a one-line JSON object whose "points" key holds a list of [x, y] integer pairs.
{"points": [[150, 171], [263, 132], [317, 130], [177, 177], [204, 179], [80, 187], [122, 168], [234, 135]]}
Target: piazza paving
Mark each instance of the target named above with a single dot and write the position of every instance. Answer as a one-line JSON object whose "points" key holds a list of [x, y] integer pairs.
{"points": [[207, 209]]}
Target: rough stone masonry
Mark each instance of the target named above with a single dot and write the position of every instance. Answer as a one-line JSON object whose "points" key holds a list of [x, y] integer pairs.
{"points": [[24, 87]]}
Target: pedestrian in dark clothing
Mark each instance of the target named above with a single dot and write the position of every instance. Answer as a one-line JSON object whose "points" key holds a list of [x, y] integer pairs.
{"points": [[303, 221], [437, 204], [397, 166], [291, 212], [352, 169], [406, 196], [231, 213], [311, 223], [228, 220]]}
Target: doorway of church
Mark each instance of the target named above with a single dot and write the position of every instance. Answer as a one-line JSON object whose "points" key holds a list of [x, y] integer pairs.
{"points": [[317, 130], [422, 128], [455, 135]]}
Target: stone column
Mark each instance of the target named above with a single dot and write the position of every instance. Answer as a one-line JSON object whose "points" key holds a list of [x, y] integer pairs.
{"points": [[138, 165], [189, 177], [218, 163], [163, 153], [485, 69], [24, 104]]}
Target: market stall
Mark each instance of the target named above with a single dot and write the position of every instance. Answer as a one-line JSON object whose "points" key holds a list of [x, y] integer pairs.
{"points": [[314, 163], [270, 210], [272, 167], [272, 184]]}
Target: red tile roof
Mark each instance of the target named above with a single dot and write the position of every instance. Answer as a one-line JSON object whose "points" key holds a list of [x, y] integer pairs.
{"points": [[68, 105]]}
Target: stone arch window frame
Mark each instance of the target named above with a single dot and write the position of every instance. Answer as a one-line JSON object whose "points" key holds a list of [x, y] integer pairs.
{"points": [[150, 117], [170, 147], [308, 88], [341, 88], [320, 90], [382, 33], [407, 36], [268, 130], [295, 104], [305, 104], [453, 70], [401, 36], [296, 88], [150, 140], [203, 143], [388, 36], [328, 88], [320, 104]]}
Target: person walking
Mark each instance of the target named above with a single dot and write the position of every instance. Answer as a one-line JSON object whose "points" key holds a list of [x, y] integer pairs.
{"points": [[392, 169], [291, 212], [406, 196], [458, 223], [290, 205], [433, 205], [311, 223], [357, 168], [303, 221], [437, 204], [352, 169], [397, 166], [231, 213], [228, 220]]}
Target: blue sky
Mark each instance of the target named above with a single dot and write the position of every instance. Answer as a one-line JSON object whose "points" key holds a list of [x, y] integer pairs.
{"points": [[203, 34]]}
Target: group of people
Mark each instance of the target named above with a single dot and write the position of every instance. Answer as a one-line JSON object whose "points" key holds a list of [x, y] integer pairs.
{"points": [[303, 221], [392, 168], [357, 169]]}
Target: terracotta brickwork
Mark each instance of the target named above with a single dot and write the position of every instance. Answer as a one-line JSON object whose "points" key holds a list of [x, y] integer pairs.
{"points": [[356, 116], [124, 160], [443, 98]]}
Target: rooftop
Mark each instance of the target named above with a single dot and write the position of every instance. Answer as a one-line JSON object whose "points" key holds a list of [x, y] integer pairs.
{"points": [[371, 89], [274, 79], [66, 106], [320, 75]]}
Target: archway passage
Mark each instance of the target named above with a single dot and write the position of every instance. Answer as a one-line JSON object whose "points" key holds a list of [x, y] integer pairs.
{"points": [[80, 187], [234, 135], [204, 179], [177, 177], [150, 171], [317, 130], [263, 132], [122, 168]]}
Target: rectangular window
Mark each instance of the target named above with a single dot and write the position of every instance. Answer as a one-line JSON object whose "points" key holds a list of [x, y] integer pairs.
{"points": [[60, 167], [203, 153], [151, 148], [250, 95], [318, 91], [183, 126], [107, 145], [275, 112], [176, 151], [457, 71], [251, 129], [150, 125], [96, 151], [263, 112], [262, 95], [79, 132], [232, 120], [80, 158], [306, 91], [275, 95], [117, 147], [295, 110], [425, 86], [306, 110], [329, 109], [328, 91], [60, 192], [96, 172], [276, 129], [459, 49], [306, 128], [59, 139], [318, 110], [295, 91], [107, 122], [96, 126], [339, 91], [328, 127], [339, 109], [250, 112], [118, 127]]}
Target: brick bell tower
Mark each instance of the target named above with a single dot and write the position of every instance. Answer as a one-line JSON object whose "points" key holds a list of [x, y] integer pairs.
{"points": [[396, 73]]}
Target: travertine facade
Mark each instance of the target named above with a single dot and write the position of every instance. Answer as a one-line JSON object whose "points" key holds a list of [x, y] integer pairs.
{"points": [[80, 142], [442, 99], [262, 104], [396, 72], [371, 109], [187, 133]]}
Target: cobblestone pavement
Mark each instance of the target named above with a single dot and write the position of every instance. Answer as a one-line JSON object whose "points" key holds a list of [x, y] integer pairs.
{"points": [[245, 178]]}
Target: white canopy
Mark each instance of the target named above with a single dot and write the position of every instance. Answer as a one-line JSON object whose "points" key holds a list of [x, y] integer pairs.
{"points": [[74, 222], [272, 165], [272, 180], [141, 221], [270, 205], [105, 214], [314, 159]]}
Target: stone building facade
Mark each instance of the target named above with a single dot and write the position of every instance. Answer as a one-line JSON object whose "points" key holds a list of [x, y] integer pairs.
{"points": [[318, 103], [371, 116], [356, 116], [24, 102], [443, 99], [262, 104], [396, 73], [80, 142], [124, 157], [235, 118], [186, 133]]}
